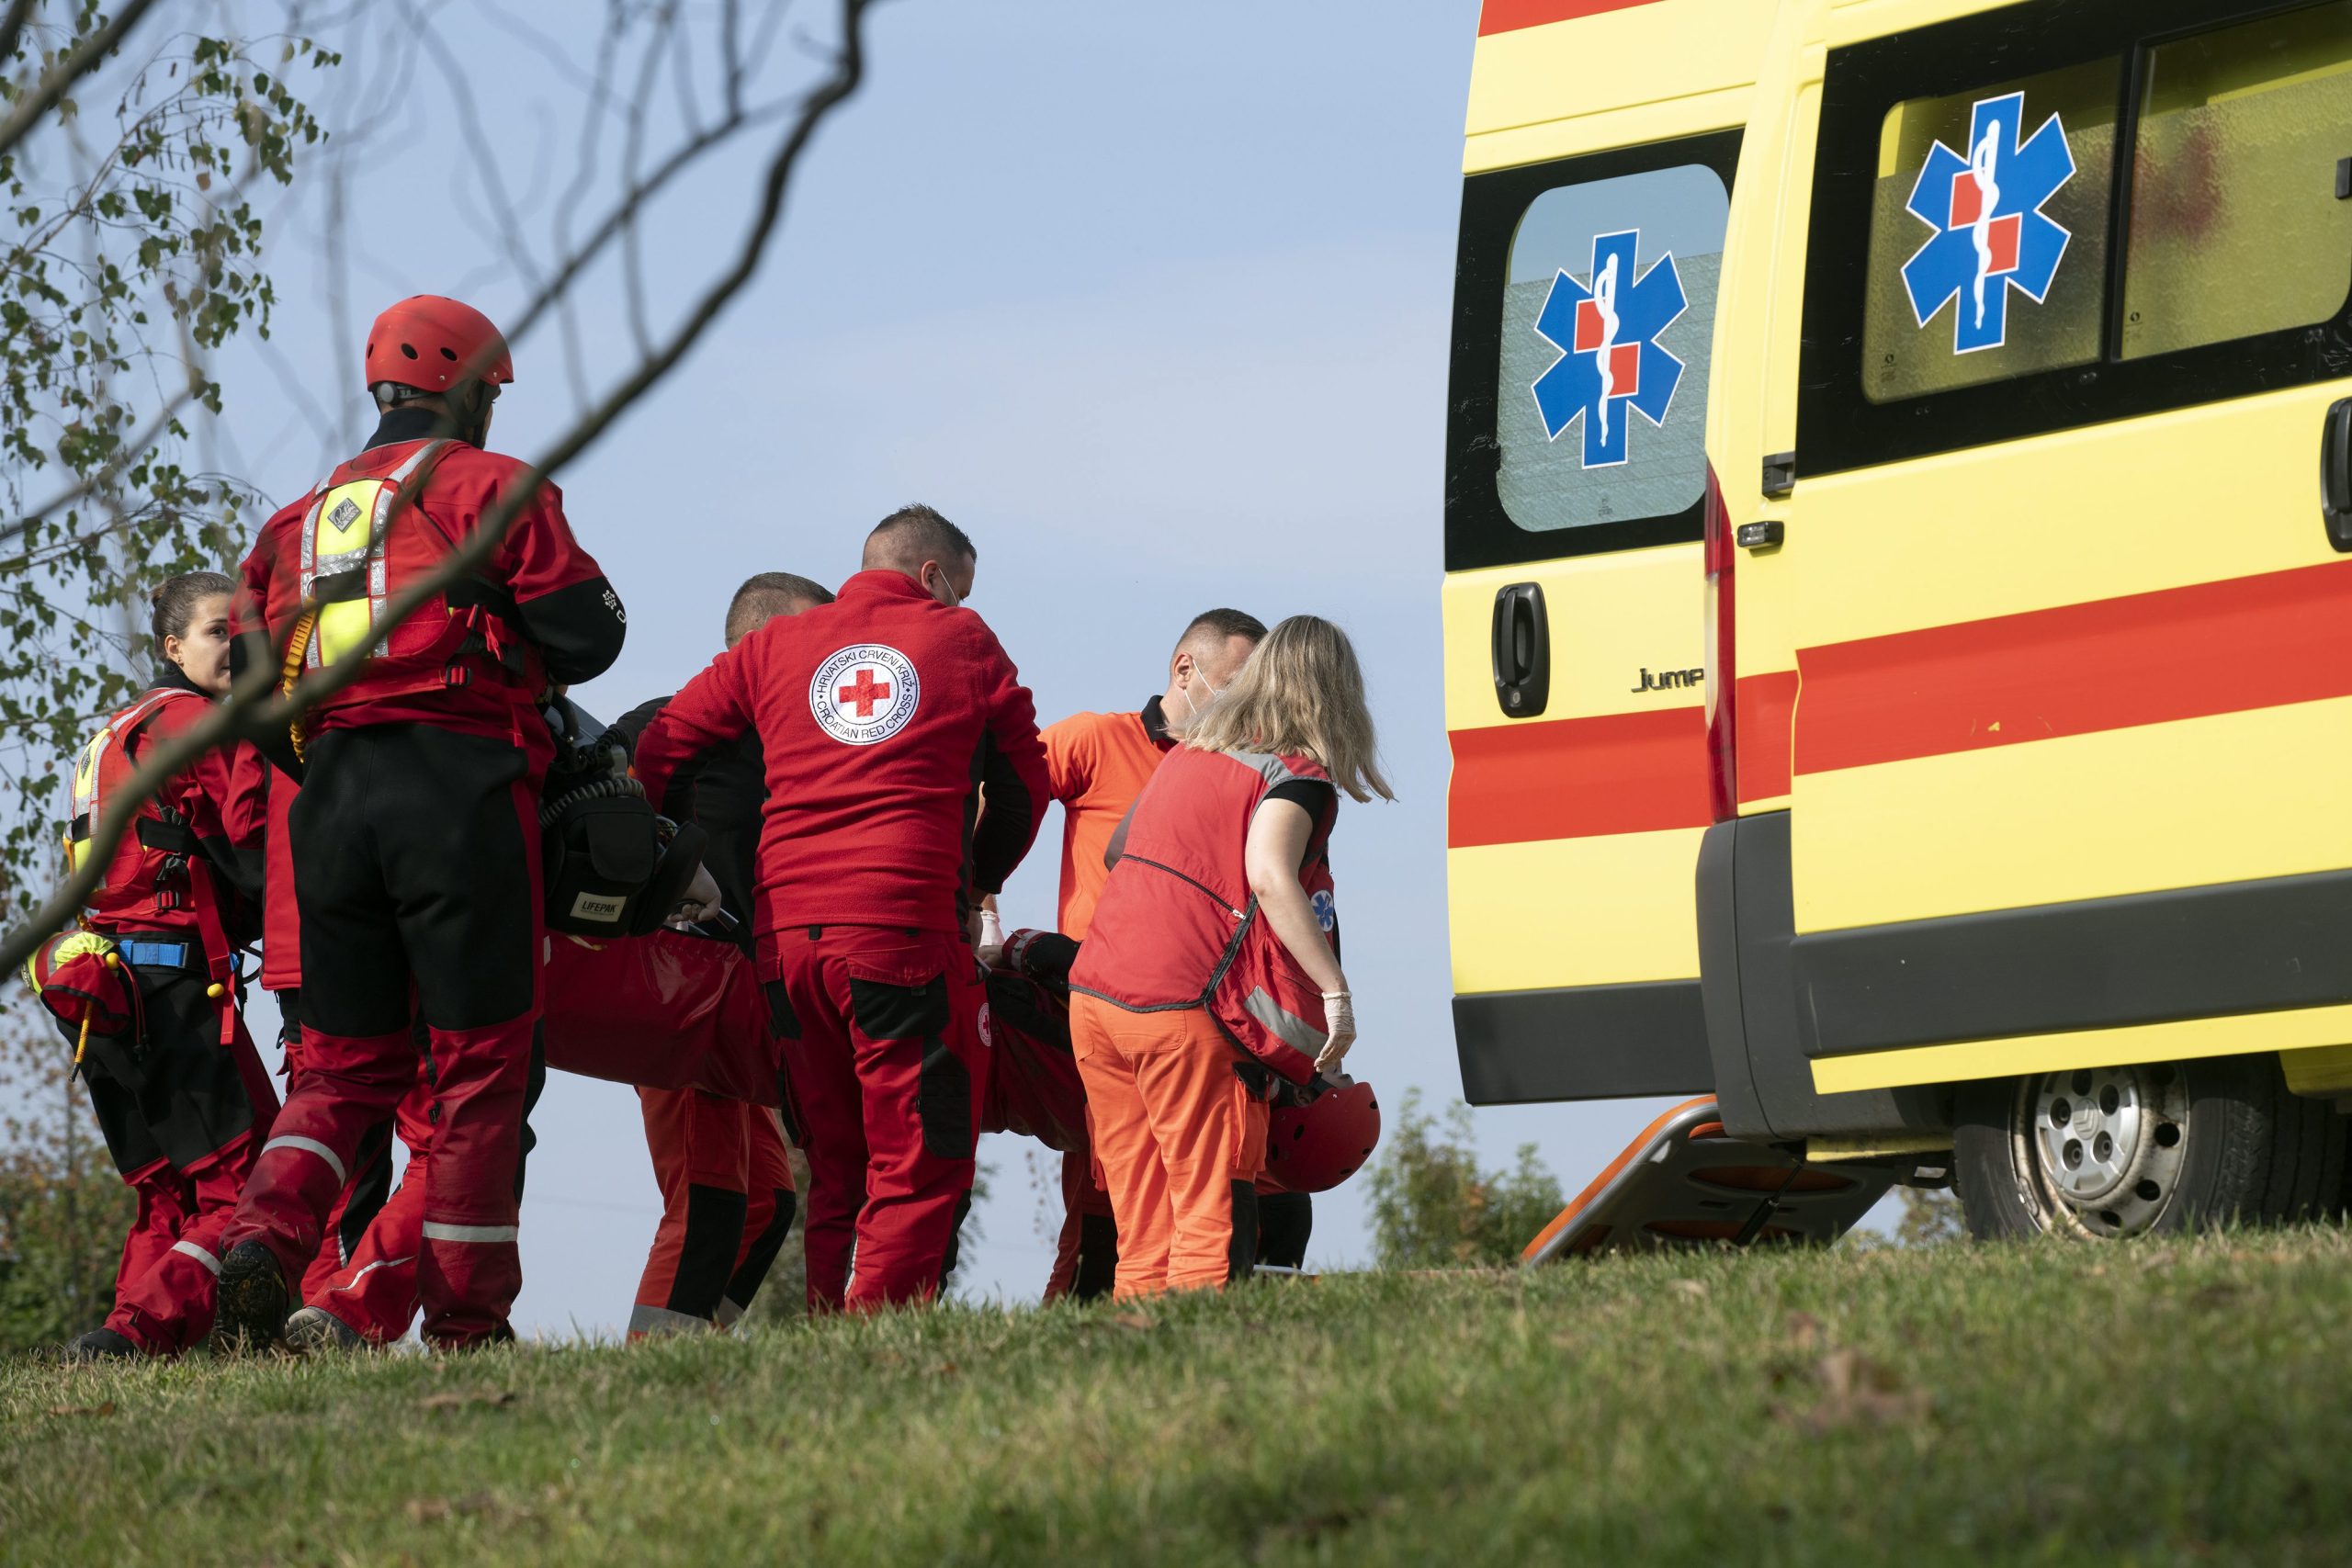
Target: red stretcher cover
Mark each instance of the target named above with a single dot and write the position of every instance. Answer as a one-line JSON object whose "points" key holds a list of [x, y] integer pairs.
{"points": [[1685, 1182], [665, 1010], [1032, 1086]]}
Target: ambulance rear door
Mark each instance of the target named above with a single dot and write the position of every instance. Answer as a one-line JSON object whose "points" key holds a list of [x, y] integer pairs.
{"points": [[2074, 639], [1576, 484]]}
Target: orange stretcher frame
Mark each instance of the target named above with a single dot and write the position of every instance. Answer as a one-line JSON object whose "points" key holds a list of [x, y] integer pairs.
{"points": [[1684, 1182]]}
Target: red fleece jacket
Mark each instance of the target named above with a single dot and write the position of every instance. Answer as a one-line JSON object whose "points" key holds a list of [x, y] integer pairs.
{"points": [[878, 714]]}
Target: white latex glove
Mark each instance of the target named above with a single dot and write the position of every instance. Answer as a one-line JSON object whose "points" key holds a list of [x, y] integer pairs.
{"points": [[991, 946], [702, 901], [1340, 1023]]}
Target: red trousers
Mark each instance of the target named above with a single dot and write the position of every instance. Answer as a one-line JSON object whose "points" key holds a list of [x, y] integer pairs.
{"points": [[1181, 1140], [727, 1205], [880, 1030], [163, 1291], [185, 1142], [371, 1285], [416, 865]]}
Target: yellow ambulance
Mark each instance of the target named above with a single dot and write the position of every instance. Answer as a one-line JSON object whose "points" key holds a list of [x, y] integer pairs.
{"points": [[1898, 640]]}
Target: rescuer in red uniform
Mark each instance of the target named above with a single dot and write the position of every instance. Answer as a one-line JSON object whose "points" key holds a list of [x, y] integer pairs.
{"points": [[367, 1256], [181, 1096], [879, 714], [726, 1198], [415, 836]]}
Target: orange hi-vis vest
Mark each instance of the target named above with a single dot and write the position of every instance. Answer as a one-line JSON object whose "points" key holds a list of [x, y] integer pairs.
{"points": [[1177, 927]]}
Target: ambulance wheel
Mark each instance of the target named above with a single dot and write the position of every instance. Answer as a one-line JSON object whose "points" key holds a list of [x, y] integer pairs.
{"points": [[2106, 1153]]}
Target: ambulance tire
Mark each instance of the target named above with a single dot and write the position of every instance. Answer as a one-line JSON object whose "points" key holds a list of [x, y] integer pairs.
{"points": [[2229, 1144]]}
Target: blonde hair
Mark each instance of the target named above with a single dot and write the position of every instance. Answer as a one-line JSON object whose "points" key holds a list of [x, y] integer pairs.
{"points": [[1300, 693]]}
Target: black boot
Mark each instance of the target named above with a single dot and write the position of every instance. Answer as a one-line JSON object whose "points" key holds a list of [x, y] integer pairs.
{"points": [[98, 1345], [251, 1314]]}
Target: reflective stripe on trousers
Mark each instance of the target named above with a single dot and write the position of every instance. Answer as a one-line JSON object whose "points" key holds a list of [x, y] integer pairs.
{"points": [[311, 1146], [189, 1250], [435, 1230], [650, 1320]]}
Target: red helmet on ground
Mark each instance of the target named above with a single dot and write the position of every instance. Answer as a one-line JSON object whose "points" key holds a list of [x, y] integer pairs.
{"points": [[426, 341], [1314, 1147]]}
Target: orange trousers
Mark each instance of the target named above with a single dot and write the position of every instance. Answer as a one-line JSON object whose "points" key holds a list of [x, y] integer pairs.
{"points": [[1180, 1138]]}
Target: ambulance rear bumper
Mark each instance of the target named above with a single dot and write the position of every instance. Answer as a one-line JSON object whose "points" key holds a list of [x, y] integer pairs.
{"points": [[1583, 1043]]}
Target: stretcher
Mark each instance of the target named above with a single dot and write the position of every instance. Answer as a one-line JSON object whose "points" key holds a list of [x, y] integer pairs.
{"points": [[665, 1010], [669, 1010], [1684, 1182]]}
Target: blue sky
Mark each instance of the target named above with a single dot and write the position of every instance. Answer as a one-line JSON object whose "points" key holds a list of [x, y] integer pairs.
{"points": [[1152, 301]]}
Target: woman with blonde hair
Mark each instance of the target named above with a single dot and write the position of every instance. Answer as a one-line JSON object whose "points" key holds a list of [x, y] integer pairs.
{"points": [[1212, 965]]}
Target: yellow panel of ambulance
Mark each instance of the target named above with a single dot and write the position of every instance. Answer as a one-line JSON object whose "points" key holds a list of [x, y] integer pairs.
{"points": [[1899, 639]]}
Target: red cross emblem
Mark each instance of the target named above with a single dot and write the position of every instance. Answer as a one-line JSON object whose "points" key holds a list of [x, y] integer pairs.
{"points": [[865, 691]]}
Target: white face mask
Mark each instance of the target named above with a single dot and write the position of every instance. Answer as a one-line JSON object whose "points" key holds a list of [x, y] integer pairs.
{"points": [[952, 599], [1195, 708]]}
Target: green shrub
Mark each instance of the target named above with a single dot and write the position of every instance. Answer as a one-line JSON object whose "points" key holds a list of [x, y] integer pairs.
{"points": [[1433, 1208]]}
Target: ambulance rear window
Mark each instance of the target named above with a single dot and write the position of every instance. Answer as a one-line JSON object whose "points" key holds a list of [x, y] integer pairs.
{"points": [[1583, 317], [1608, 314]]}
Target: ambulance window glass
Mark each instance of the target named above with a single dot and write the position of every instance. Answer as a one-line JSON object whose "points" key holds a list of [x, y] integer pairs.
{"points": [[1959, 293], [2235, 225], [1601, 399]]}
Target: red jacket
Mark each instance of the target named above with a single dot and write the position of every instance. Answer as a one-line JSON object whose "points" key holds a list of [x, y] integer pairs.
{"points": [[548, 595], [281, 924], [877, 713]]}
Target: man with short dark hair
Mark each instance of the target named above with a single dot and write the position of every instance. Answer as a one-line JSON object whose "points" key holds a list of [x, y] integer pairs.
{"points": [[1097, 765], [763, 597], [726, 1198], [878, 714]]}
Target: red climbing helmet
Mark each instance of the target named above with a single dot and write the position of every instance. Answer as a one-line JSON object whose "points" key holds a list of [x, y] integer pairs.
{"points": [[1314, 1147], [425, 341]]}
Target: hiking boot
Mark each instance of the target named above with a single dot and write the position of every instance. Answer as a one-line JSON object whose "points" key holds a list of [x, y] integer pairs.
{"points": [[315, 1329], [250, 1317], [98, 1345]]}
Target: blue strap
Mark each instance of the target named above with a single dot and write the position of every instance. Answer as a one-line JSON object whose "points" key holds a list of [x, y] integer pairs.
{"points": [[157, 954]]}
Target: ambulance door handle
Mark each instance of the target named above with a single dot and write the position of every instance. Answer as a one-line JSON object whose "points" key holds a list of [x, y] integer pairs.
{"points": [[1523, 650], [2335, 474]]}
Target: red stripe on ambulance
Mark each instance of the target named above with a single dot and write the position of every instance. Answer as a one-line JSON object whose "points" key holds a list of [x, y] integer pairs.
{"points": [[1767, 705], [1573, 778], [1510, 16], [2212, 648]]}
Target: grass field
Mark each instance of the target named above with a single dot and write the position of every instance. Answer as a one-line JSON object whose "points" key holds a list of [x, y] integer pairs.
{"points": [[2183, 1402]]}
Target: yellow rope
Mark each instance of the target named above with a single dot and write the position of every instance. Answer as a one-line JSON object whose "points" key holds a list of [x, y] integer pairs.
{"points": [[298, 647]]}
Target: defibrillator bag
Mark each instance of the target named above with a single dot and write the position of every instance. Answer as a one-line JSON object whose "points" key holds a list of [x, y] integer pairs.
{"points": [[611, 865]]}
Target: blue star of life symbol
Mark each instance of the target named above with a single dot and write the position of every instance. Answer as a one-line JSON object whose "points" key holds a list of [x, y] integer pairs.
{"points": [[1610, 358], [1991, 234], [1327, 909]]}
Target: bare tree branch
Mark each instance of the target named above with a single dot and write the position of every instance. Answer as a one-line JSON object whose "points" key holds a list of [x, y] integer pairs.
{"points": [[34, 106], [12, 27], [254, 708]]}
